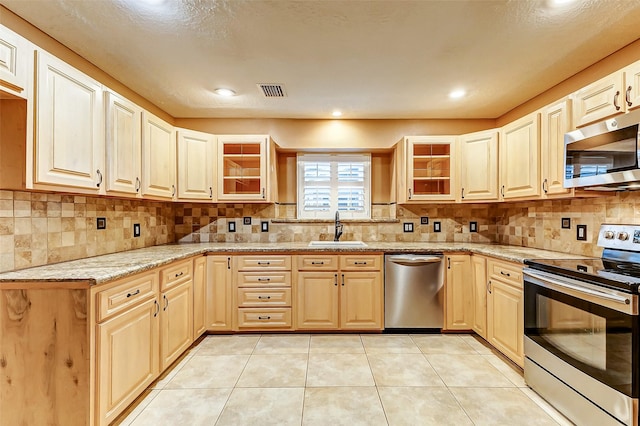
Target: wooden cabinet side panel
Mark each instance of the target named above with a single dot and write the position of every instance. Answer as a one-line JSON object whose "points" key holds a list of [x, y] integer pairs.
{"points": [[44, 357], [479, 274], [632, 86], [219, 302], [199, 296]]}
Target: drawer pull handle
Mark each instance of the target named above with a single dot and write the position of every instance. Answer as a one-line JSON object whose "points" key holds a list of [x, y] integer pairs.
{"points": [[264, 318], [506, 274], [317, 263], [134, 293], [264, 297], [264, 263], [264, 279], [359, 263], [180, 274]]}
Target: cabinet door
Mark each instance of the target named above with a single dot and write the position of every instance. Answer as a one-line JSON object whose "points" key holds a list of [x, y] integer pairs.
{"points": [[195, 165], [459, 293], [317, 297], [479, 166], [199, 296], [430, 168], [242, 168], [632, 86], [15, 52], [555, 123], [158, 157], [361, 306], [123, 130], [599, 100], [127, 358], [69, 127], [505, 320], [176, 322], [479, 275], [520, 158], [219, 293]]}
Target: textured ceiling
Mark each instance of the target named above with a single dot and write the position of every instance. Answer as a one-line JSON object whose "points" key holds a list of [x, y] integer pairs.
{"points": [[370, 59]]}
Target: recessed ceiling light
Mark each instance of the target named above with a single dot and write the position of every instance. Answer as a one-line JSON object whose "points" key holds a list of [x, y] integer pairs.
{"points": [[457, 94], [337, 113], [225, 92]]}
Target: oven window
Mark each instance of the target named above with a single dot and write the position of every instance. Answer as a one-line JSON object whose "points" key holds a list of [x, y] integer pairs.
{"points": [[606, 153], [594, 339]]}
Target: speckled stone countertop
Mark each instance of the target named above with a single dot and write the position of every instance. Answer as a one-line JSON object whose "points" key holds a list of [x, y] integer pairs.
{"points": [[105, 268]]}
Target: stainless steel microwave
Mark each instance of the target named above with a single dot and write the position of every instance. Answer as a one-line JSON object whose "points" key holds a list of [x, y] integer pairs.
{"points": [[604, 155]]}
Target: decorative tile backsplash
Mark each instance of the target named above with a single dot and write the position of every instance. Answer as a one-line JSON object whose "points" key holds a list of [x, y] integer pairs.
{"points": [[38, 228]]}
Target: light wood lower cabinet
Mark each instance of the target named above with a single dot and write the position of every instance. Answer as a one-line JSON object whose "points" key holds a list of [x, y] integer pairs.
{"points": [[219, 294], [127, 358], [505, 309], [199, 296], [349, 298], [458, 293], [479, 280]]}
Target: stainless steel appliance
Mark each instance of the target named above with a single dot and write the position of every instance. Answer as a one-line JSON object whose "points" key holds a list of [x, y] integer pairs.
{"points": [[582, 330], [413, 291], [604, 156]]}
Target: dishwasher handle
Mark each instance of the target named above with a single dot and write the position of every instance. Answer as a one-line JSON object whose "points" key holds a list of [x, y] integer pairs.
{"points": [[415, 261]]}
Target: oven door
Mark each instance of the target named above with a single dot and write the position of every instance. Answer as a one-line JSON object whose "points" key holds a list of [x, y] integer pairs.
{"points": [[592, 328]]}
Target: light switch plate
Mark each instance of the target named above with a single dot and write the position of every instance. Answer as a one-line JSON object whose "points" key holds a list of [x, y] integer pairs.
{"points": [[136, 229], [473, 226], [437, 227], [232, 226], [408, 227], [264, 226], [581, 232], [246, 220], [424, 220], [566, 223]]}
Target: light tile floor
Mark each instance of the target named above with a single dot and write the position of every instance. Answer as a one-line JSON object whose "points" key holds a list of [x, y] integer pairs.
{"points": [[349, 379]]}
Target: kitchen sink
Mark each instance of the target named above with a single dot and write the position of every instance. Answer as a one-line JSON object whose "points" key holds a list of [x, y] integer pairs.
{"points": [[337, 244]]}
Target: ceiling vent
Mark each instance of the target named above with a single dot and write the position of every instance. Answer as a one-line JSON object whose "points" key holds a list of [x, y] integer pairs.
{"points": [[273, 90]]}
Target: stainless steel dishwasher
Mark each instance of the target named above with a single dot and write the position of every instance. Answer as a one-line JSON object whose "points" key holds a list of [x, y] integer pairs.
{"points": [[413, 291]]}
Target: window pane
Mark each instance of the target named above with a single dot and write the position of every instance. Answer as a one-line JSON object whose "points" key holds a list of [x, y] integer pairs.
{"points": [[351, 172], [351, 199], [317, 172], [317, 198]]}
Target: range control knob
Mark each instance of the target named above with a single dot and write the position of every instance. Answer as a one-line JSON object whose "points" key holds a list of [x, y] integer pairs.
{"points": [[623, 236], [608, 235]]}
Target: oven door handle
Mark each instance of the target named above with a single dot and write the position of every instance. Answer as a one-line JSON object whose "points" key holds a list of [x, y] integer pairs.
{"points": [[576, 287]]}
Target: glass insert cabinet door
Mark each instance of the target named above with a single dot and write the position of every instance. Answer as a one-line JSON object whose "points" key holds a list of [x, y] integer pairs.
{"points": [[430, 168], [242, 167]]}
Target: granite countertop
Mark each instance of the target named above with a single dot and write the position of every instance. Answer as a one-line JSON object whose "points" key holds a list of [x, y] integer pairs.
{"points": [[109, 267]]}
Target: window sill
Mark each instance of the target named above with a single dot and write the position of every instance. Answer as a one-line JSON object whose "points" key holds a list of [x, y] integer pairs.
{"points": [[321, 221]]}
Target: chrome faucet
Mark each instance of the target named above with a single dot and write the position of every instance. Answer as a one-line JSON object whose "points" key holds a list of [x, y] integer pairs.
{"points": [[339, 227]]}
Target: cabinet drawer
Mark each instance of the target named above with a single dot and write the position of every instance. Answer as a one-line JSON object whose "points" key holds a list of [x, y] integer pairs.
{"points": [[126, 293], [509, 273], [280, 263], [264, 279], [176, 273], [252, 297], [365, 262], [318, 263], [264, 317]]}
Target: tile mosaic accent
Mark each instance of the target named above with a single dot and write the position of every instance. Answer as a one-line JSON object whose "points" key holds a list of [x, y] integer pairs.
{"points": [[38, 229]]}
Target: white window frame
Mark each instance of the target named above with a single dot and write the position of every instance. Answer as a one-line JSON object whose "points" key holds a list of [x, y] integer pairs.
{"points": [[334, 159]]}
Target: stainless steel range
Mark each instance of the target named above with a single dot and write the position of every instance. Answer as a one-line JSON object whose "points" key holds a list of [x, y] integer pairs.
{"points": [[582, 330]]}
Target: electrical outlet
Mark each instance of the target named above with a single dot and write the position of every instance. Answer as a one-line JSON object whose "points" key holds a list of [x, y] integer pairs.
{"points": [[437, 227], [232, 226], [566, 223], [473, 226], [246, 220], [408, 227], [136, 229], [101, 223], [581, 232], [264, 226], [424, 220]]}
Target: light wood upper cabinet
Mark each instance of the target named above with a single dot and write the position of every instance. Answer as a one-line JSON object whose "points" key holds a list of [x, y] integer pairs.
{"points": [[632, 83], [520, 158], [199, 296], [599, 100], [242, 168], [479, 278], [15, 55], [219, 309], [69, 126], [158, 157], [479, 166], [430, 169], [556, 121], [196, 165], [459, 293], [124, 146], [127, 358]]}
